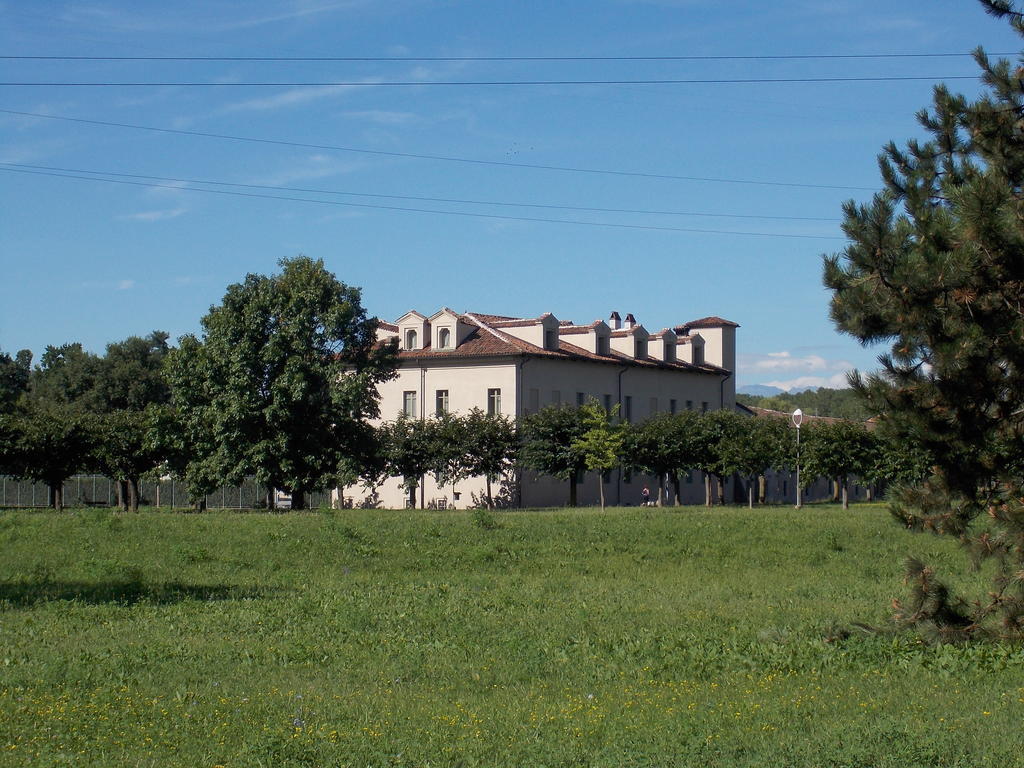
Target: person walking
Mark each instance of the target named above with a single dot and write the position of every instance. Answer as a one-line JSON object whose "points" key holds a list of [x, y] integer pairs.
{"points": [[645, 497]]}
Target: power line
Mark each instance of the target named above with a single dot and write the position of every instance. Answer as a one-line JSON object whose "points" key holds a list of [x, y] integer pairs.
{"points": [[713, 57], [458, 201], [441, 158], [422, 210], [482, 83]]}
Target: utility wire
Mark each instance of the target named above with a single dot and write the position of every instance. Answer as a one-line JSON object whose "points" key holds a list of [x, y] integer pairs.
{"points": [[458, 201], [778, 57], [420, 210], [442, 158], [447, 83]]}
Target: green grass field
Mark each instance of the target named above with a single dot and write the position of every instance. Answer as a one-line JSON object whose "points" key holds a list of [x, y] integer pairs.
{"points": [[560, 638]]}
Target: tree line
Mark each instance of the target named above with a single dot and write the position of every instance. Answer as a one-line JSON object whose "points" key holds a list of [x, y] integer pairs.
{"points": [[837, 403]]}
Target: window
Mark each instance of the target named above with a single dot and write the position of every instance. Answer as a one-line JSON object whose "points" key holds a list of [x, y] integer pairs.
{"points": [[698, 355], [444, 339], [581, 398], [409, 402], [670, 353], [556, 397], [493, 402], [654, 405], [607, 403], [689, 405], [603, 345], [551, 339], [628, 408], [641, 348], [410, 339], [704, 407], [672, 406], [533, 401], [441, 402]]}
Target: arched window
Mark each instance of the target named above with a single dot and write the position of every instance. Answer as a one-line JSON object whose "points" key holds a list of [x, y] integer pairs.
{"points": [[444, 338], [410, 339]]}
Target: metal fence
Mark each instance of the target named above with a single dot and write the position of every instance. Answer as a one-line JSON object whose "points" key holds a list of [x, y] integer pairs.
{"points": [[100, 491]]}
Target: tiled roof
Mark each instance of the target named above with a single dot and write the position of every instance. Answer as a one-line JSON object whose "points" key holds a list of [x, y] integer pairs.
{"points": [[511, 323], [488, 341], [387, 326], [493, 318], [708, 322]]}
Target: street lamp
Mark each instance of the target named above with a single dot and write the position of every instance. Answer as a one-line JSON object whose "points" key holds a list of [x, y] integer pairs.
{"points": [[798, 417]]}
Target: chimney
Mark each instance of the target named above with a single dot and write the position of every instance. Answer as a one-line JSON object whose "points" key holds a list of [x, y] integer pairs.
{"points": [[630, 321], [614, 321]]}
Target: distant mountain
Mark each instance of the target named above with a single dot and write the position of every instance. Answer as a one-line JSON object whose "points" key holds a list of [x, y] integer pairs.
{"points": [[759, 390]]}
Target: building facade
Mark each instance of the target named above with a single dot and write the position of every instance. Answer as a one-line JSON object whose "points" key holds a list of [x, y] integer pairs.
{"points": [[454, 362]]}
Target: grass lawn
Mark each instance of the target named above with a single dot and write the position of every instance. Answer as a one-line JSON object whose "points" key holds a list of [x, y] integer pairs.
{"points": [[684, 637]]}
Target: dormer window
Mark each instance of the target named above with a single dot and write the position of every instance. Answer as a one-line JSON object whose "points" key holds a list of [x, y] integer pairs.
{"points": [[641, 349], [603, 345], [411, 339], [551, 339], [698, 354], [444, 339], [670, 353]]}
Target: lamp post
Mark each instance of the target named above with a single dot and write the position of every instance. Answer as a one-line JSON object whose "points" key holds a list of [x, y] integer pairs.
{"points": [[798, 417]]}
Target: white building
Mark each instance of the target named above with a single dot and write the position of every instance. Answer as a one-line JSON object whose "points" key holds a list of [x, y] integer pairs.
{"points": [[452, 362]]}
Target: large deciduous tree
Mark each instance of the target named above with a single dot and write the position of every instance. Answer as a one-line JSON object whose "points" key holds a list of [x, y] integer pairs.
{"points": [[491, 447], [836, 450], [281, 383], [935, 269], [407, 444], [14, 378], [550, 439], [47, 442]]}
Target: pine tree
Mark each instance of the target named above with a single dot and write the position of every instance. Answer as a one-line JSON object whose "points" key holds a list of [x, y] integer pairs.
{"points": [[935, 268]]}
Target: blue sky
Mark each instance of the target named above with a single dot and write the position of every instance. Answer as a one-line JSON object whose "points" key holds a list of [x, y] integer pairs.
{"points": [[95, 261]]}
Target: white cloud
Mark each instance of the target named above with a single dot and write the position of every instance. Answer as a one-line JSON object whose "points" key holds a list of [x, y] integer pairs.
{"points": [[795, 371], [163, 215], [125, 285], [213, 18], [835, 381], [308, 168], [381, 116], [785, 361]]}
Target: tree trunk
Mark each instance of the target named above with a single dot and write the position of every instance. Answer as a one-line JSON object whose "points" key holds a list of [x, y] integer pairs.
{"points": [[423, 491], [721, 489], [661, 489], [270, 499], [122, 494], [298, 499], [835, 491], [133, 494], [490, 501], [708, 500], [412, 497], [572, 491], [600, 489], [675, 490], [870, 492], [846, 494], [57, 495], [750, 493], [762, 489]]}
